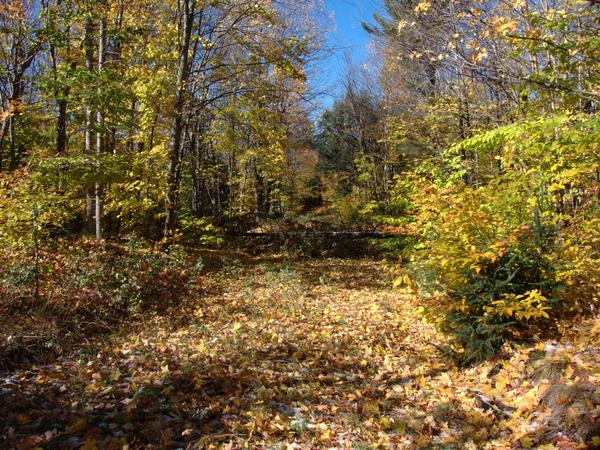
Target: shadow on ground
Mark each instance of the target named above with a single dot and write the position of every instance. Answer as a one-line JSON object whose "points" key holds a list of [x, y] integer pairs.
{"points": [[277, 349]]}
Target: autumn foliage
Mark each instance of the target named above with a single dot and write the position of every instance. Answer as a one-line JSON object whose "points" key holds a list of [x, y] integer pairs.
{"points": [[510, 245], [196, 251]]}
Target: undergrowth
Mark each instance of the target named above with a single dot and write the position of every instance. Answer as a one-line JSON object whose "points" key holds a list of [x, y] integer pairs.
{"points": [[85, 288]]}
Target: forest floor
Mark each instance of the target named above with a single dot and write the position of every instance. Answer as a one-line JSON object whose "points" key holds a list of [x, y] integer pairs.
{"points": [[288, 353]]}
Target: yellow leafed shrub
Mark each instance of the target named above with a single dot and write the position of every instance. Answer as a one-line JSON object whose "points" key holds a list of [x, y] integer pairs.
{"points": [[510, 243]]}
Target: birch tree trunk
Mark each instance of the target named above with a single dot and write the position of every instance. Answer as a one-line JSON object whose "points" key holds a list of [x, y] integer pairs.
{"points": [[100, 131], [89, 122]]}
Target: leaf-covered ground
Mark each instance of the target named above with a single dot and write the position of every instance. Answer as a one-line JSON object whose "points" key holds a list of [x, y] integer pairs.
{"points": [[295, 354]]}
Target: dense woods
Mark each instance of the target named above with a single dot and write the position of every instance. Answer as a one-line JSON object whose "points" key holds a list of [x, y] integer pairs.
{"points": [[144, 117], [198, 251]]}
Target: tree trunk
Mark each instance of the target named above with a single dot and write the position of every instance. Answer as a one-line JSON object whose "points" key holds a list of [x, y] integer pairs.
{"points": [[316, 234], [89, 123], [12, 151], [186, 11], [100, 131], [61, 125], [61, 96], [18, 90], [3, 133]]}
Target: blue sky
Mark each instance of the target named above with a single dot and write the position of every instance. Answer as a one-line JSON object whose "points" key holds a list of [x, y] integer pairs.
{"points": [[346, 38]]}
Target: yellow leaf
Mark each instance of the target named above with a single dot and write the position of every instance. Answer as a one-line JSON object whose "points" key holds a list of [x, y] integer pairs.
{"points": [[78, 426], [569, 371], [526, 442], [481, 55], [423, 7], [398, 282], [500, 384], [423, 441]]}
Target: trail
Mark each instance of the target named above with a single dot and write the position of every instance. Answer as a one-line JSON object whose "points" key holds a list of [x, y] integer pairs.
{"points": [[278, 353]]}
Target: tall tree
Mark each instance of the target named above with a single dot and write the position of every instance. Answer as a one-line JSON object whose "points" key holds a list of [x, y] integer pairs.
{"points": [[89, 118], [186, 11], [100, 138]]}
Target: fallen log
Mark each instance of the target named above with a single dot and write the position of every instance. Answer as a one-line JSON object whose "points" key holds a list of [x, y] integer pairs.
{"points": [[317, 234]]}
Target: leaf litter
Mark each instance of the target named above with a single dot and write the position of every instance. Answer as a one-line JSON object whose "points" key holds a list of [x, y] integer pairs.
{"points": [[301, 353]]}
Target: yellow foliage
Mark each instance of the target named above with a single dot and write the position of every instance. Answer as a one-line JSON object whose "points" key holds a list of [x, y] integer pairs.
{"points": [[531, 305], [423, 7]]}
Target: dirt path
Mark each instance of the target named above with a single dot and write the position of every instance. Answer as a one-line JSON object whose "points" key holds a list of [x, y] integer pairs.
{"points": [[277, 354]]}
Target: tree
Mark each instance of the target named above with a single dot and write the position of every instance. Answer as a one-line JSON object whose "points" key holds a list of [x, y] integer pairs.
{"points": [[186, 15], [21, 23], [348, 139]]}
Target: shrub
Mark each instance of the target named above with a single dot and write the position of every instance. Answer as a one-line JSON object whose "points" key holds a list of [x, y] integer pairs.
{"points": [[102, 282], [507, 248]]}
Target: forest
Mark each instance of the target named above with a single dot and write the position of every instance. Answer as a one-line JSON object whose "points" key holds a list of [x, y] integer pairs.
{"points": [[199, 251]]}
